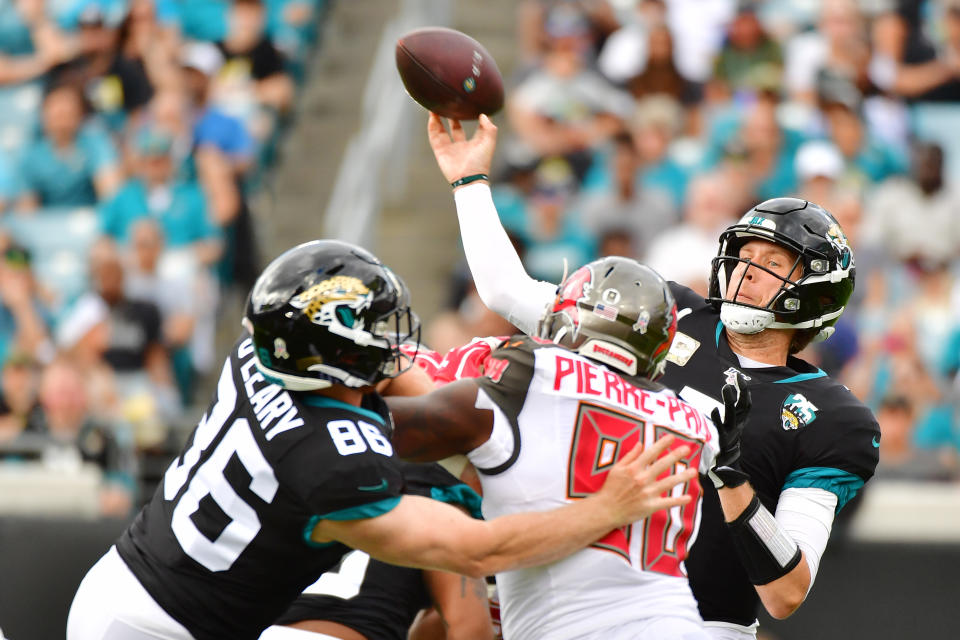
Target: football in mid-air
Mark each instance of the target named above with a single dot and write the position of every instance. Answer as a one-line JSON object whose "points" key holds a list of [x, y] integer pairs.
{"points": [[449, 73]]}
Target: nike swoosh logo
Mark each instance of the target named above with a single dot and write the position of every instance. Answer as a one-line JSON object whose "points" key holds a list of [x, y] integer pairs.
{"points": [[375, 487], [875, 442], [684, 312]]}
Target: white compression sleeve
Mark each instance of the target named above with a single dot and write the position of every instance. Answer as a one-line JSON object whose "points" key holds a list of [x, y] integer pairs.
{"points": [[502, 282], [807, 515]]}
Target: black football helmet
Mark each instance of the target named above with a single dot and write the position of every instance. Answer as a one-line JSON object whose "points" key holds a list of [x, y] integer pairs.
{"points": [[328, 312], [616, 311], [817, 297]]}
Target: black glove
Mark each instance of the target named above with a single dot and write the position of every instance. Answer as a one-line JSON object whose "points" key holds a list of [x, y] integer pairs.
{"points": [[726, 471]]}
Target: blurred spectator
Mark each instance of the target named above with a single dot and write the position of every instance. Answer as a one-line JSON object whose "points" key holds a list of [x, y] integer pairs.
{"points": [[907, 63], [71, 437], [552, 231], [533, 25], [19, 380], [470, 319], [564, 107], [820, 171], [627, 204], [698, 28], [156, 191], [135, 351], [254, 73], [30, 44], [616, 241], [73, 163], [916, 216], [223, 154], [83, 336], [200, 62], [764, 149], [186, 297], [641, 59], [655, 123], [838, 45], [24, 319], [114, 81], [750, 60], [899, 458], [868, 158], [683, 253]]}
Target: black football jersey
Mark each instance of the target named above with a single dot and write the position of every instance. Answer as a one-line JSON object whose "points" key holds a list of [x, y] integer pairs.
{"points": [[224, 544], [380, 600], [804, 430]]}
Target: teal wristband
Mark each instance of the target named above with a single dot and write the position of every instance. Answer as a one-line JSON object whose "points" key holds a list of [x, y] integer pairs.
{"points": [[468, 179]]}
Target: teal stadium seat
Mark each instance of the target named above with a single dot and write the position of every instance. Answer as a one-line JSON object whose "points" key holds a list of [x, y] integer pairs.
{"points": [[20, 106]]}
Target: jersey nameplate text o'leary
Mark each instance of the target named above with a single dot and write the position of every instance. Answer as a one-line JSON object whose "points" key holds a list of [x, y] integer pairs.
{"points": [[270, 403]]}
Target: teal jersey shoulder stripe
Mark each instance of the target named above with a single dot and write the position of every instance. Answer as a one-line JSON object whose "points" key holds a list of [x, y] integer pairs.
{"points": [[843, 484], [800, 377], [323, 401], [459, 495], [359, 512], [719, 330]]}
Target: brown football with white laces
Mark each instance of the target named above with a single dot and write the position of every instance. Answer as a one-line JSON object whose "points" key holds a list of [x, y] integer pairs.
{"points": [[449, 73]]}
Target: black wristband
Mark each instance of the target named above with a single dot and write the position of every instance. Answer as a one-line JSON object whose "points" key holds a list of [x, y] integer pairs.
{"points": [[468, 179], [766, 551]]}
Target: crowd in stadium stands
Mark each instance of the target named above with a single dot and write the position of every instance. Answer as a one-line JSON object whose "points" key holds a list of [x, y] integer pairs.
{"points": [[132, 135], [644, 128]]}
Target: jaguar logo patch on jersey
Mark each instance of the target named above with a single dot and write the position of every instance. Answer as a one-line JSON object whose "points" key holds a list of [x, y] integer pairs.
{"points": [[797, 412], [337, 299]]}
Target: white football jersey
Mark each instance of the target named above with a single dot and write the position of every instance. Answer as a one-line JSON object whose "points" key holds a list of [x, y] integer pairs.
{"points": [[561, 421]]}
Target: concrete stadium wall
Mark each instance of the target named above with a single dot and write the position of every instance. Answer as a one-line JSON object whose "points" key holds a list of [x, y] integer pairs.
{"points": [[865, 590]]}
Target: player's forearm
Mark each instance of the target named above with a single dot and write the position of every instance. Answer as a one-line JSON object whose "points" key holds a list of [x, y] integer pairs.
{"points": [[502, 282], [531, 539], [768, 552], [784, 596]]}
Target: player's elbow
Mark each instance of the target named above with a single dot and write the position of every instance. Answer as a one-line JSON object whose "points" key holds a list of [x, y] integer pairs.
{"points": [[476, 568], [785, 603]]}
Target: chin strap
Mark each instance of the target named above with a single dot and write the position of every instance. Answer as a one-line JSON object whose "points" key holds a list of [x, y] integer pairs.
{"points": [[745, 320]]}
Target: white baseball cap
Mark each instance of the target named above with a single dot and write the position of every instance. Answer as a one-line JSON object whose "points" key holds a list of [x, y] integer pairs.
{"points": [[818, 158], [205, 57]]}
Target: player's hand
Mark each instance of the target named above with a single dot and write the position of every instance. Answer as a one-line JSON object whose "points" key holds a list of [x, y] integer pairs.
{"points": [[736, 409], [459, 156], [632, 491]]}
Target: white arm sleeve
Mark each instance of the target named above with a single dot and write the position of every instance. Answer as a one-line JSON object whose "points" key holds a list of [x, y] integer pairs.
{"points": [[807, 515], [502, 282]]}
